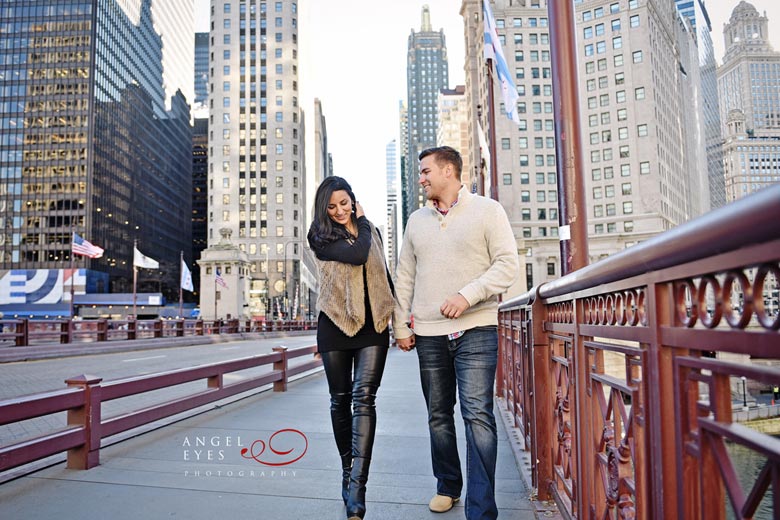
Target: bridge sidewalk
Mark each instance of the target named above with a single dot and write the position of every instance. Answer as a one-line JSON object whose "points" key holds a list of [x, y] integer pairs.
{"points": [[169, 473]]}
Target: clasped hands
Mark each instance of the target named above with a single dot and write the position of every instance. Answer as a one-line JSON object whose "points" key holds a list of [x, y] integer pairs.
{"points": [[452, 308]]}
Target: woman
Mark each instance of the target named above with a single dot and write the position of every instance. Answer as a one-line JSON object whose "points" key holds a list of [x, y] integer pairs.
{"points": [[355, 304]]}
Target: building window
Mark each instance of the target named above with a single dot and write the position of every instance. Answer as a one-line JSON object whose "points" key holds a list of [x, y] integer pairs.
{"points": [[617, 60], [641, 130], [626, 188], [634, 20], [644, 168], [637, 56], [507, 179], [525, 196], [598, 211], [639, 93], [505, 143], [524, 178], [525, 214]]}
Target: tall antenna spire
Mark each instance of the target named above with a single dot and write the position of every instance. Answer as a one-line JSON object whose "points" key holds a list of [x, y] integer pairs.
{"points": [[426, 19]]}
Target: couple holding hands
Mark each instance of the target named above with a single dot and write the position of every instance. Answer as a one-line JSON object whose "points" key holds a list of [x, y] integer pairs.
{"points": [[458, 254]]}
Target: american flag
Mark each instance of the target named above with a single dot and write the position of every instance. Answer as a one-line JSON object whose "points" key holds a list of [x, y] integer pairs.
{"points": [[219, 280], [82, 247]]}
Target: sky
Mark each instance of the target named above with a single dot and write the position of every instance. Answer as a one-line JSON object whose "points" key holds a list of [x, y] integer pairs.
{"points": [[353, 58]]}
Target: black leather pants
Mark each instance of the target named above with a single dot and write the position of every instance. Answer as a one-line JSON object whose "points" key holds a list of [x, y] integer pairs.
{"points": [[353, 380]]}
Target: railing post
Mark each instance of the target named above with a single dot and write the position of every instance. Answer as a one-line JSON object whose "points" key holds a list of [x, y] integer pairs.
{"points": [[22, 332], [66, 328], [199, 328], [281, 386], [87, 455], [180, 328], [543, 402], [102, 329], [157, 329], [132, 329]]}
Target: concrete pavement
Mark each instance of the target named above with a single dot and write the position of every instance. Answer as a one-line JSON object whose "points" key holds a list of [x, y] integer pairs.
{"points": [[195, 468]]}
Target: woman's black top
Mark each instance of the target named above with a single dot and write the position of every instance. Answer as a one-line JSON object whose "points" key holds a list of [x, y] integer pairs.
{"points": [[329, 336]]}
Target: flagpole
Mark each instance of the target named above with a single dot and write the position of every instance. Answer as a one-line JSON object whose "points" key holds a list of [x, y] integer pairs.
{"points": [[181, 273], [492, 133], [135, 279], [215, 294], [72, 281]]}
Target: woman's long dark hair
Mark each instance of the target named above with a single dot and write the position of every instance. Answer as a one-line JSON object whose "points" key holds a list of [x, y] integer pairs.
{"points": [[323, 229]]}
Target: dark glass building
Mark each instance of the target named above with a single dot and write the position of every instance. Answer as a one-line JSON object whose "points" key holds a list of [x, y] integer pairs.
{"points": [[200, 170], [426, 74], [95, 136], [201, 68]]}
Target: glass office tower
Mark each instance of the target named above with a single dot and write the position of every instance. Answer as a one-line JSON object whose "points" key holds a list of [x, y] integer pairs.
{"points": [[95, 136]]}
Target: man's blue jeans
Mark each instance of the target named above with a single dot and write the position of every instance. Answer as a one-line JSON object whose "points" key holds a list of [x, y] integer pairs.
{"points": [[468, 364]]}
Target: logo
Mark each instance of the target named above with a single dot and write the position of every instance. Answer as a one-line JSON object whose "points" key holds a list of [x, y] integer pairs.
{"points": [[294, 445]]}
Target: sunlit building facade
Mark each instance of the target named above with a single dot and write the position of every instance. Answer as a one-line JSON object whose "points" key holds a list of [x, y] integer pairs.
{"points": [[256, 148], [95, 136], [749, 103]]}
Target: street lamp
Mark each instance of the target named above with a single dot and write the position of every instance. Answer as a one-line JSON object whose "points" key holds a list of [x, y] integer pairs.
{"points": [[744, 393]]}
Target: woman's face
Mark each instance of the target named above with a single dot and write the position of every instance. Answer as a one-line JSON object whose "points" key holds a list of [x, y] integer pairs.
{"points": [[340, 207]]}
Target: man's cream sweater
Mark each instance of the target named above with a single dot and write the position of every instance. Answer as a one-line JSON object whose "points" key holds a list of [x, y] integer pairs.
{"points": [[471, 250]]}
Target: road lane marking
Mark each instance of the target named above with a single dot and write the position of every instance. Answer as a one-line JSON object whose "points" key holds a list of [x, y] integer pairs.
{"points": [[229, 348], [142, 359]]}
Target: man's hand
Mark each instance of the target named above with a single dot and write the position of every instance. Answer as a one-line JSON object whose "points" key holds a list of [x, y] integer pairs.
{"points": [[454, 306], [405, 344]]}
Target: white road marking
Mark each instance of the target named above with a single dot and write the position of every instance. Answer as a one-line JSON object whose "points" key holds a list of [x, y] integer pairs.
{"points": [[230, 348], [142, 359]]}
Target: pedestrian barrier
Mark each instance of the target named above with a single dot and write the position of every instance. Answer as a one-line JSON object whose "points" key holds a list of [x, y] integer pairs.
{"points": [[623, 377], [25, 332], [82, 401]]}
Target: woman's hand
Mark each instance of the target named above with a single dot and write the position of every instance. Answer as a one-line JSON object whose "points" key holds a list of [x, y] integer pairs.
{"points": [[359, 210]]}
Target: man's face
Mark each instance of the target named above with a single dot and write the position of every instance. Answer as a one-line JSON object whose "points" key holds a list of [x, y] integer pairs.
{"points": [[433, 177]]}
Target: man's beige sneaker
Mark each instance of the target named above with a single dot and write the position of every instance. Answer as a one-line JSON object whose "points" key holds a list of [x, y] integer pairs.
{"points": [[442, 503]]}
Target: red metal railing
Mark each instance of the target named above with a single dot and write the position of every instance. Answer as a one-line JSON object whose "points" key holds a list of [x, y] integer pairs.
{"points": [[24, 332], [85, 394], [623, 377]]}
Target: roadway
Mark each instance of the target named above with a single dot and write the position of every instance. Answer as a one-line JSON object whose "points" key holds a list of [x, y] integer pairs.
{"points": [[28, 377]]}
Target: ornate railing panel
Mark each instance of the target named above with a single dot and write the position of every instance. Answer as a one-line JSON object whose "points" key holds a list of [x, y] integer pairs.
{"points": [[631, 371]]}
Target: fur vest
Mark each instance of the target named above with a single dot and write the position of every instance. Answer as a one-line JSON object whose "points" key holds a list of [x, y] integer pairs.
{"points": [[342, 294]]}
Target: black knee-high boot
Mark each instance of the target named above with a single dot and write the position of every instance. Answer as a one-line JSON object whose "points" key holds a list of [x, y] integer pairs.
{"points": [[363, 430], [356, 501], [341, 417]]}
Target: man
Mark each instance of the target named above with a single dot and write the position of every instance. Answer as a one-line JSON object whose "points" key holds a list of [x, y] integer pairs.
{"points": [[458, 255]]}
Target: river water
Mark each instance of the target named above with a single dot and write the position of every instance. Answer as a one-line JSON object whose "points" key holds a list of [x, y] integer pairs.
{"points": [[748, 464]]}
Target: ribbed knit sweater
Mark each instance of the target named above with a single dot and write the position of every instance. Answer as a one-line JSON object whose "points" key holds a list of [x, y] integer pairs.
{"points": [[471, 250]]}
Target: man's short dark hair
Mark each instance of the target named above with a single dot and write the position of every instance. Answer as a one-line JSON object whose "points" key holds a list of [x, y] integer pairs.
{"points": [[446, 155]]}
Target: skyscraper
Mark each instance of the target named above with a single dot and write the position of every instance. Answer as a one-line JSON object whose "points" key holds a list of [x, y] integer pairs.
{"points": [[426, 75], [696, 13], [95, 135], [256, 149], [201, 69], [453, 126], [749, 103], [322, 159], [635, 143], [200, 168], [391, 170]]}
